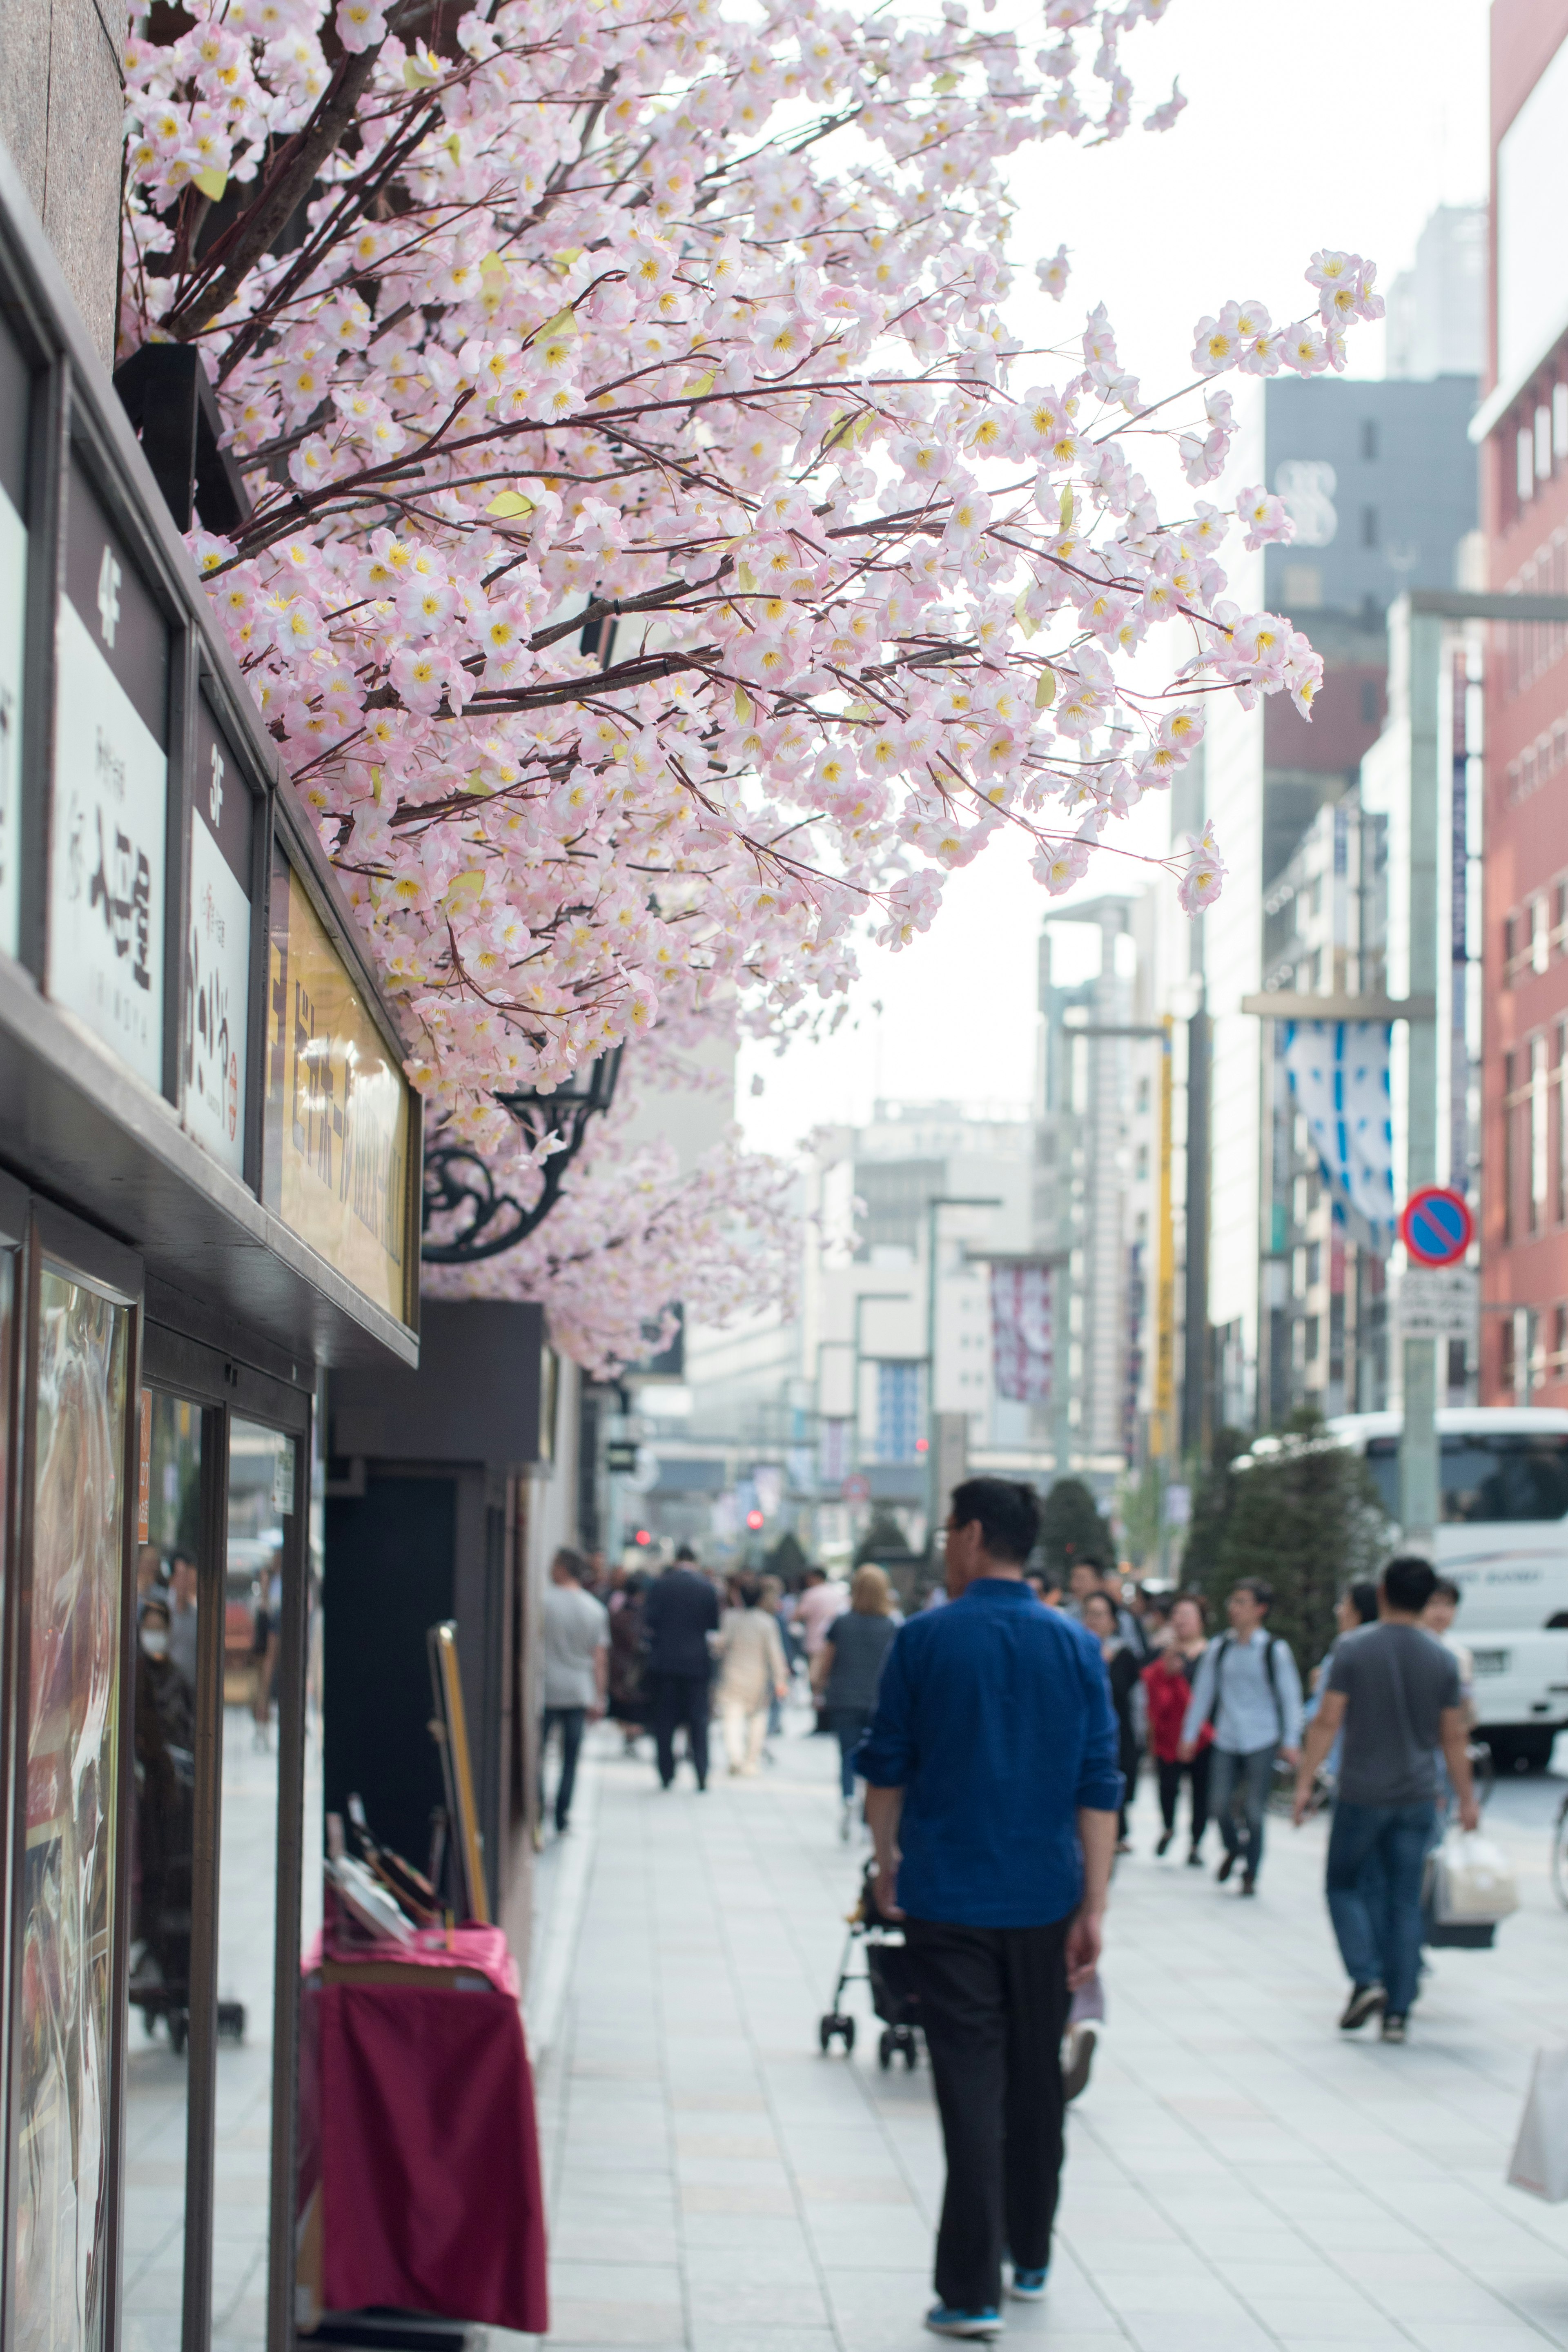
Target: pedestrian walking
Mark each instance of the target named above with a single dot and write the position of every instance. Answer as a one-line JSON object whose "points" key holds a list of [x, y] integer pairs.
{"points": [[752, 1671], [1122, 1668], [627, 1705], [680, 1610], [576, 1663], [1167, 1689], [1249, 1688], [847, 1669], [991, 1763], [1394, 1691]]}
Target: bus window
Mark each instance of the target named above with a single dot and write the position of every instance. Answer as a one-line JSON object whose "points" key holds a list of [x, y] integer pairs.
{"points": [[1512, 1476], [1382, 1462]]}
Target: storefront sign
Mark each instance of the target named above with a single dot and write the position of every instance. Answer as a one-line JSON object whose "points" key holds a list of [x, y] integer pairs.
{"points": [[217, 948], [337, 1130], [109, 814], [13, 407]]}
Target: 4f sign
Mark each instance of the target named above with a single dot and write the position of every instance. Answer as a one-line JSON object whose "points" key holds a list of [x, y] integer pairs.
{"points": [[1437, 1226]]}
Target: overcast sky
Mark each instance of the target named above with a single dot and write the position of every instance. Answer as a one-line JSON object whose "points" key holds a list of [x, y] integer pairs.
{"points": [[1309, 122]]}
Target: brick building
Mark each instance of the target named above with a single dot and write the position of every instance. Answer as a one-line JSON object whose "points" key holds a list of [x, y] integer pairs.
{"points": [[1523, 427]]}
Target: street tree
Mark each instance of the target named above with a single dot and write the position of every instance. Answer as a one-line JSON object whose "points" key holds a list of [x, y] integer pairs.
{"points": [[1072, 1531], [1305, 1515], [665, 564]]}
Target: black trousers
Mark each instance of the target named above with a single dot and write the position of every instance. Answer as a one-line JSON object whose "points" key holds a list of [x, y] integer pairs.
{"points": [[680, 1699], [572, 1720], [1197, 1772], [993, 2006]]}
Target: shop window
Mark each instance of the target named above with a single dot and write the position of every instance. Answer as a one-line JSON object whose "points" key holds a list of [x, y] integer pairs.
{"points": [[1560, 1207], [1557, 1367], [1510, 1113], [63, 2097], [1369, 437], [1543, 443], [1524, 464], [1539, 934], [1560, 420], [163, 1714]]}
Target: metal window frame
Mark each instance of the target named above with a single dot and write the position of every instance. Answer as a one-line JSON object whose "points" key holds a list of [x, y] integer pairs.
{"points": [[228, 1391]]}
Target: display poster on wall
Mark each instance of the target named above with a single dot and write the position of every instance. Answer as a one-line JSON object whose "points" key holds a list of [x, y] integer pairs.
{"points": [[335, 1162], [217, 948], [110, 804], [13, 407]]}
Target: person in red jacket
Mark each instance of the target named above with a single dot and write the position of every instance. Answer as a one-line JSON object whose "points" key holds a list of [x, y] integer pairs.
{"points": [[1168, 1685]]}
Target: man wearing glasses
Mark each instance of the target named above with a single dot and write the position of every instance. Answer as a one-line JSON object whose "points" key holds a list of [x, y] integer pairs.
{"points": [[991, 1798]]}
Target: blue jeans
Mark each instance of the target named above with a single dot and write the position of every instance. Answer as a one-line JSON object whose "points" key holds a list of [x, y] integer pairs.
{"points": [[1249, 1775], [851, 1725], [1376, 1854], [572, 1720]]}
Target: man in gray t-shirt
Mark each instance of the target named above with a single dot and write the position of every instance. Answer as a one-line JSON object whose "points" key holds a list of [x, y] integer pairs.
{"points": [[1395, 1693]]}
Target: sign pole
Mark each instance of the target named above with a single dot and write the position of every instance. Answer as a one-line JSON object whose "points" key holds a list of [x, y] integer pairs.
{"points": [[1422, 828]]}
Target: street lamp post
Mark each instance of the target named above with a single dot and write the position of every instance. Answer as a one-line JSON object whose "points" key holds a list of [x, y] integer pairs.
{"points": [[939, 1200]]}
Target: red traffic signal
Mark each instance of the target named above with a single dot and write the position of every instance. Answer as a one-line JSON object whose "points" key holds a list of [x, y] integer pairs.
{"points": [[754, 1520], [642, 1537]]}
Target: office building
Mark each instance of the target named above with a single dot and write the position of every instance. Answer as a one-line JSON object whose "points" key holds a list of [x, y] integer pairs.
{"points": [[1522, 429]]}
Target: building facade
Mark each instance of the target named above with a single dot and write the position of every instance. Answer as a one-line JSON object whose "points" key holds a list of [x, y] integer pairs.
{"points": [[1522, 431], [1380, 481]]}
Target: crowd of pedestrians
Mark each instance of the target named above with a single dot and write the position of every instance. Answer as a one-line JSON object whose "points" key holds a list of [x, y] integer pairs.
{"points": [[998, 1733]]}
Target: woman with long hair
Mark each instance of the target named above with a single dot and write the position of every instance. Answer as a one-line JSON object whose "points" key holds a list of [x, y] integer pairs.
{"points": [[847, 1668], [1167, 1686]]}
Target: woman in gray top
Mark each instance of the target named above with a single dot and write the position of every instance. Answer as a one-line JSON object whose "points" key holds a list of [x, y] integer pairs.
{"points": [[847, 1668]]}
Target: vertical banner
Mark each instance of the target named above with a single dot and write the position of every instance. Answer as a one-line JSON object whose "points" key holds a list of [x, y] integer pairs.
{"points": [[1021, 1333]]}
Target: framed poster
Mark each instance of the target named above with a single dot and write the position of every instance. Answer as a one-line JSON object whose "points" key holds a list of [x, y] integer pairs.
{"points": [[109, 817], [216, 992], [15, 403], [466, 1861]]}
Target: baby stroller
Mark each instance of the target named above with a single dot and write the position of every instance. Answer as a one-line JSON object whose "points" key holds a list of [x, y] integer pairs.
{"points": [[888, 1974], [893, 1997]]}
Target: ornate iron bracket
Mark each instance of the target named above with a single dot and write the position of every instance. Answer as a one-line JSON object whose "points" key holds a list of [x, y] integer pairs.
{"points": [[460, 1184]]}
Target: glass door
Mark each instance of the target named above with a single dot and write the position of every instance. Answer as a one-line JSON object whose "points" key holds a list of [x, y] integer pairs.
{"points": [[261, 1501], [162, 1713]]}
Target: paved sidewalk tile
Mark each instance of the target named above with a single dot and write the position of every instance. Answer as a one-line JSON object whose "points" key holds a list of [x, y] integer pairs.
{"points": [[1240, 2176]]}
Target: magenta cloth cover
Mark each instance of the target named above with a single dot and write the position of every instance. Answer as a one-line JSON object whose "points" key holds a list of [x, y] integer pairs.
{"points": [[429, 2150]]}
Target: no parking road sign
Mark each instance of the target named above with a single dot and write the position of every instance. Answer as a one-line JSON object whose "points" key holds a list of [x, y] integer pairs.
{"points": [[1437, 1226]]}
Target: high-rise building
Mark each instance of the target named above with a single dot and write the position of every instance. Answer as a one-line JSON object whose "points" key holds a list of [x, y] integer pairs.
{"points": [[1380, 481], [1522, 431]]}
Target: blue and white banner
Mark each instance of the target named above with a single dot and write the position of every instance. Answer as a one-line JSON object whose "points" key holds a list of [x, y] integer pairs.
{"points": [[1338, 1075]]}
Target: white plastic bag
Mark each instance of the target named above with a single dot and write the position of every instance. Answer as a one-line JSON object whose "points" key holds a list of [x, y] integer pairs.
{"points": [[1539, 2160], [1473, 1881]]}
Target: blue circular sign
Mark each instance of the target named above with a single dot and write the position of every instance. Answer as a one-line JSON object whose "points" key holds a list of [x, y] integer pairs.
{"points": [[1437, 1226]]}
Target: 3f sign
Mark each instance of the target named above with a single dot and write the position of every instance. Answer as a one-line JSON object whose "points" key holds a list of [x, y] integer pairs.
{"points": [[108, 597]]}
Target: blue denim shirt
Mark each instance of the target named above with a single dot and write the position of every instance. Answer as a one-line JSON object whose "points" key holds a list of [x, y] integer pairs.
{"points": [[994, 1716]]}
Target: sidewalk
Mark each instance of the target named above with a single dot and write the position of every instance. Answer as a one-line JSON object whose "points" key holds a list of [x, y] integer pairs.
{"points": [[1239, 2177]]}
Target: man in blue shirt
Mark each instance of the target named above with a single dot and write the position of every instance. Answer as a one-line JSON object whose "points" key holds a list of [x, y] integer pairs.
{"points": [[992, 1763]]}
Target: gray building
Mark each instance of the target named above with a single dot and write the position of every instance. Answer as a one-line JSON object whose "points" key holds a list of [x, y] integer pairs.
{"points": [[1380, 481]]}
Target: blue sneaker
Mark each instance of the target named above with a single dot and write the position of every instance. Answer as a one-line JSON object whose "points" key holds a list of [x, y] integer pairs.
{"points": [[982, 2323], [1028, 2286]]}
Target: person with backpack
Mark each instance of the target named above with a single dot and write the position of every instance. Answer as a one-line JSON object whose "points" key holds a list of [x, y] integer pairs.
{"points": [[1249, 1688]]}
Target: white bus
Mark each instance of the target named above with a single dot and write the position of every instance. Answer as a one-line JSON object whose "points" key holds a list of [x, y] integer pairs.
{"points": [[1503, 1540]]}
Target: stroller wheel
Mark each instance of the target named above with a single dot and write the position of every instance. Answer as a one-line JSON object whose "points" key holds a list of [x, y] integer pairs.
{"points": [[825, 2027], [911, 2052], [834, 2026], [886, 2041], [179, 2026]]}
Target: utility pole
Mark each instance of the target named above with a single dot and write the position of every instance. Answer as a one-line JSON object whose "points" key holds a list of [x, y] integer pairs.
{"points": [[939, 1200]]}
